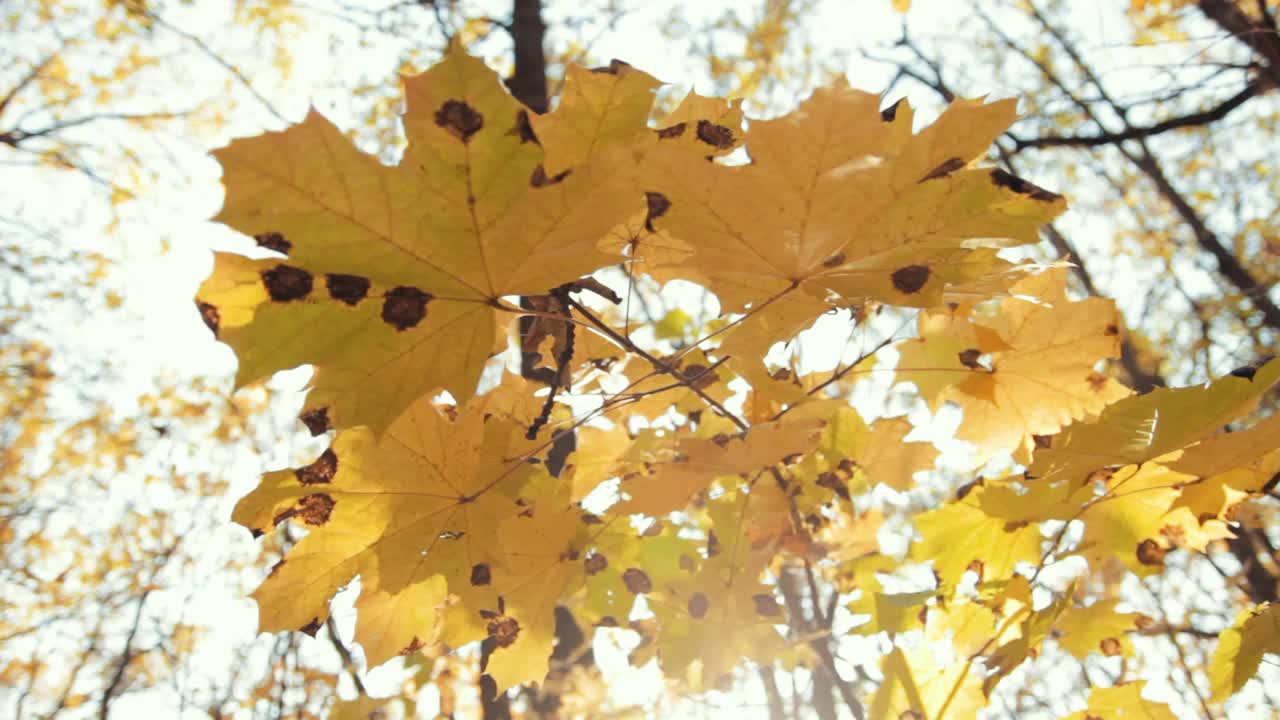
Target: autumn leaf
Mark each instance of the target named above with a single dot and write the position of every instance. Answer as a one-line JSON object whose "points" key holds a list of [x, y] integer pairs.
{"points": [[1027, 369], [1122, 702], [391, 274], [1255, 632], [789, 220], [986, 531]]}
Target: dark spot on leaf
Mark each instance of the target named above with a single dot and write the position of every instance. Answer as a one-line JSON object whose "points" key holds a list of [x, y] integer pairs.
{"points": [[591, 519], [888, 114], [658, 206], [311, 628], [637, 581], [460, 119], [487, 614], [414, 646], [1150, 552], [315, 509], [316, 420], [713, 544], [480, 574], [834, 482], [286, 283], [1012, 526], [595, 563], [608, 621], [614, 67], [504, 630], [350, 289], [717, 136], [1111, 330], [687, 564], [210, 315], [908, 280], [969, 358], [766, 605], [1042, 441], [1111, 647], [670, 133], [273, 241], [319, 472], [539, 177], [404, 306], [524, 128], [1022, 187], [1247, 372], [947, 167], [256, 533], [699, 605], [721, 439], [834, 261]]}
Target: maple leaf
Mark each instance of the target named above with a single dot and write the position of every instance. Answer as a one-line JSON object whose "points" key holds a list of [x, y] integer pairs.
{"points": [[700, 460], [1254, 633], [438, 502], [985, 531], [1097, 628], [917, 684], [841, 199], [1040, 375], [1122, 701], [1148, 426], [392, 274]]}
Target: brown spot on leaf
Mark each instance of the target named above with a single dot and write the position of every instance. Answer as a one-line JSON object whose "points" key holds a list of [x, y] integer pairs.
{"points": [[670, 133], [286, 283], [658, 206], [1022, 187], [315, 509], [311, 628], [480, 574], [210, 315], [404, 306], [1111, 647], [316, 420], [766, 605], [414, 646], [969, 358], [273, 241], [539, 177], [908, 280], [608, 621], [717, 136], [504, 630], [350, 289], [595, 563], [637, 581], [834, 261], [614, 67], [524, 128], [910, 715], [256, 533], [888, 114], [1111, 329], [319, 472], [1142, 622], [1042, 441], [698, 606], [1150, 552], [460, 119], [1097, 381], [947, 167], [713, 544], [687, 564]]}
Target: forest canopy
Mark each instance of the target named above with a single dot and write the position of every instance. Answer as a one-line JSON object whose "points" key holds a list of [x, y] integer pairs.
{"points": [[524, 383]]}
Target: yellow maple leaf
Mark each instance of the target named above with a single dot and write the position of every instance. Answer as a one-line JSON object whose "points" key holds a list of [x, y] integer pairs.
{"points": [[438, 503], [984, 531], [391, 274], [1121, 703], [1097, 628], [842, 198], [1040, 375], [1148, 426], [701, 460], [1255, 632]]}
